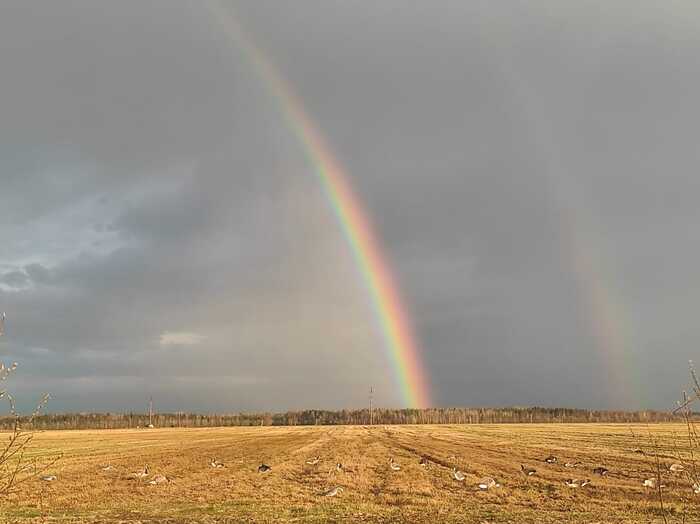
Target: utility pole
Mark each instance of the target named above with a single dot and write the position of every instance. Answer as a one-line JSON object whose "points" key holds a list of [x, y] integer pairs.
{"points": [[371, 413], [150, 412]]}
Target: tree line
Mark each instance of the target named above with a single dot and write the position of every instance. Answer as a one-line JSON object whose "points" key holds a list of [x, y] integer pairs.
{"points": [[314, 417]]}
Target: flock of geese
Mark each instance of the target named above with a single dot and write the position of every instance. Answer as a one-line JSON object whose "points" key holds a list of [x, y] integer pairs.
{"points": [[485, 483], [651, 483]]}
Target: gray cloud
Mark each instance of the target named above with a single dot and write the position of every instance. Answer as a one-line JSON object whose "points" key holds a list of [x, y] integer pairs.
{"points": [[528, 169], [15, 279]]}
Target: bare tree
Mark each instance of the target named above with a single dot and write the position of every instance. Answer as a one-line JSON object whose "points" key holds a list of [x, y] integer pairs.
{"points": [[692, 471], [14, 469]]}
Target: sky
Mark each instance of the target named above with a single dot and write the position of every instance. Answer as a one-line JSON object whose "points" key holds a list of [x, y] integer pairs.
{"points": [[529, 169]]}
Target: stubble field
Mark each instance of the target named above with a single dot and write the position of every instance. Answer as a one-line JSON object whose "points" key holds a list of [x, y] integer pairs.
{"points": [[196, 492]]}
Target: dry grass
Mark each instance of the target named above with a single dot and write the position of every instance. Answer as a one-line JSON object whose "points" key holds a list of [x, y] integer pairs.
{"points": [[373, 493]]}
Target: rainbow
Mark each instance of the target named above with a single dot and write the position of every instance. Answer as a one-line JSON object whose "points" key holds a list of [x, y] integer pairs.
{"points": [[607, 323], [400, 342]]}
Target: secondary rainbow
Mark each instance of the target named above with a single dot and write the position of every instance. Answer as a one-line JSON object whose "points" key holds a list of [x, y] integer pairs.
{"points": [[401, 345]]}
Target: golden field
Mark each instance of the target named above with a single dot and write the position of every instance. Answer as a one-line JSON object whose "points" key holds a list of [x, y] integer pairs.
{"points": [[373, 492]]}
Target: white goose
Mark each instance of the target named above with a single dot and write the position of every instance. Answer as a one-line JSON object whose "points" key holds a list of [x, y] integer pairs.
{"points": [[577, 483], [394, 465], [216, 463], [159, 479], [313, 461], [458, 475], [676, 468], [651, 483], [49, 478], [488, 483]]}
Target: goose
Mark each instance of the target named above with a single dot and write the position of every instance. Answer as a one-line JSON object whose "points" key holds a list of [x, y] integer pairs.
{"points": [[264, 468], [528, 471], [140, 474], [675, 468], [651, 483], [333, 492], [696, 488], [216, 464], [344, 468], [577, 483], [159, 479], [393, 465], [458, 475], [550, 459], [423, 461], [488, 483], [600, 471], [573, 464], [49, 478], [313, 461], [108, 467]]}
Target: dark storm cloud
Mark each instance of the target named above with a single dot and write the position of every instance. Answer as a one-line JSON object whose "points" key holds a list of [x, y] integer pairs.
{"points": [[164, 234]]}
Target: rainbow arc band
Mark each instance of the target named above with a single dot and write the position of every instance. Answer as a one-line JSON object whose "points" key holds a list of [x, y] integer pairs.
{"points": [[400, 341]]}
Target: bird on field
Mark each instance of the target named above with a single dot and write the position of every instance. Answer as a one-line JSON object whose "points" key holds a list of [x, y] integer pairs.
{"points": [[108, 467], [264, 468], [638, 450], [313, 461], [49, 478], [159, 479], [458, 475], [600, 471], [140, 474], [551, 459], [394, 465], [216, 463], [577, 483], [696, 488], [651, 483], [423, 461], [573, 464], [333, 492], [676, 468], [528, 471], [488, 483]]}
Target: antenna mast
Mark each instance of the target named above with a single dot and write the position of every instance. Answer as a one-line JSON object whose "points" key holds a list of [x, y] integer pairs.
{"points": [[371, 413]]}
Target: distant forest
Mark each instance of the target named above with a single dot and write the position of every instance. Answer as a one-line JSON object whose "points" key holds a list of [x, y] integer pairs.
{"points": [[513, 415]]}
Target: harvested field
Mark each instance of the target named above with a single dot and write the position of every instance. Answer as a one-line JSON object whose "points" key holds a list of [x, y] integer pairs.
{"points": [[373, 492]]}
